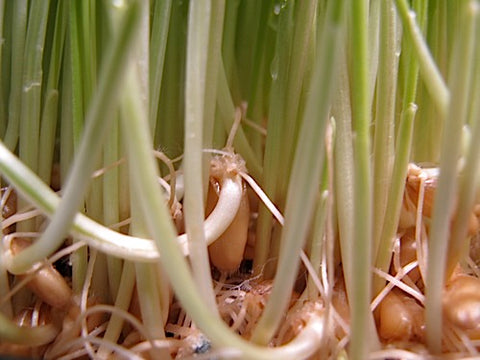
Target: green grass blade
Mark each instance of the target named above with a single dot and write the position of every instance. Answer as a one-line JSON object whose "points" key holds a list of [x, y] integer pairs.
{"points": [[19, 30], [97, 122], [446, 188], [306, 175], [193, 203], [362, 246]]}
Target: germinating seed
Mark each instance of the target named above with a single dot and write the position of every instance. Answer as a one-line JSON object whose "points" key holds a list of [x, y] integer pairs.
{"points": [[401, 318], [47, 283], [408, 253], [461, 302], [226, 253], [425, 180]]}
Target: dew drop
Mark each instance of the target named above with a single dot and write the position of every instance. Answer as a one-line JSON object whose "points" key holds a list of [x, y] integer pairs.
{"points": [[278, 6], [274, 68], [276, 9], [118, 3]]}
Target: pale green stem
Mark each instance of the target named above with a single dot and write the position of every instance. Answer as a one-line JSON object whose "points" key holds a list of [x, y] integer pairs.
{"points": [[146, 276], [331, 234], [193, 203], [49, 119], [317, 244], [247, 32], [111, 210], [124, 185], [375, 16], [212, 69], [76, 71], [343, 167], [79, 261], [305, 176], [94, 210], [111, 152], [428, 124], [47, 135], [211, 81], [395, 197], [32, 84], [229, 36], [88, 49], [81, 84], [122, 301], [359, 297], [19, 29], [169, 130], [430, 74], [28, 143], [473, 107], [100, 281], [96, 124], [150, 306], [111, 207], [305, 22], [226, 110], [263, 53], [445, 198], [274, 165], [165, 292], [158, 45], [383, 143], [66, 116], [458, 243], [468, 186]]}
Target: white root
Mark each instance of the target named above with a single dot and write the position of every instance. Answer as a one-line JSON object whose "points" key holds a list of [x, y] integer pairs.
{"points": [[226, 253], [112, 242], [222, 216]]}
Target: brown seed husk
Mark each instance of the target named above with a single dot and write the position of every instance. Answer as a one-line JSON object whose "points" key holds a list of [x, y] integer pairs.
{"points": [[47, 283]]}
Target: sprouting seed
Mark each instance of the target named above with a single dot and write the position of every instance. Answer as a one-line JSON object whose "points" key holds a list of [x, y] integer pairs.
{"points": [[419, 195], [461, 302], [226, 253], [401, 318], [47, 283]]}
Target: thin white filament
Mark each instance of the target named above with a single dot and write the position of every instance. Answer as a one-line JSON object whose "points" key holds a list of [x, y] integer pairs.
{"points": [[265, 199], [20, 217], [420, 297], [400, 274], [83, 301], [313, 274], [280, 218]]}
